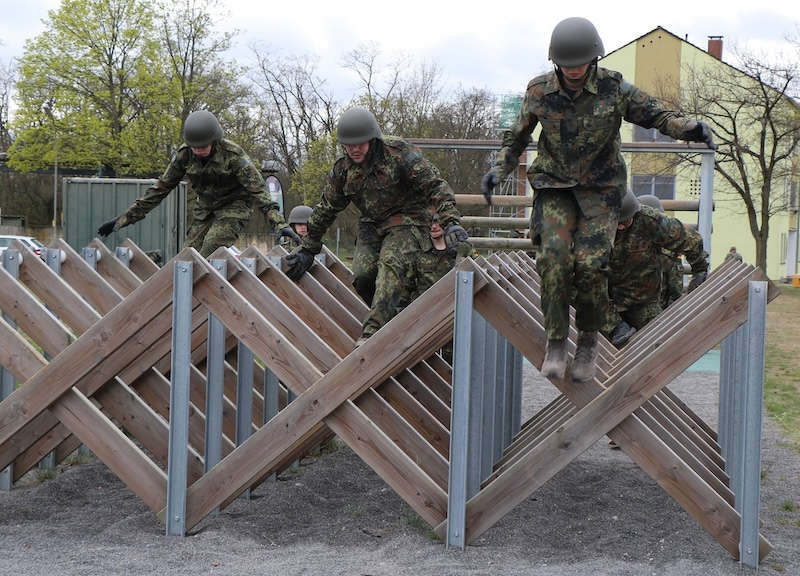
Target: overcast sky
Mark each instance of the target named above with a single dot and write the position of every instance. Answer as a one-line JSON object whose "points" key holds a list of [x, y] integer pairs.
{"points": [[497, 45]]}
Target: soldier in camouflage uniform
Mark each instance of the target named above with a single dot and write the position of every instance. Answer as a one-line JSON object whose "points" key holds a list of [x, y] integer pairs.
{"points": [[635, 270], [579, 178], [226, 183], [298, 220], [392, 185], [671, 264]]}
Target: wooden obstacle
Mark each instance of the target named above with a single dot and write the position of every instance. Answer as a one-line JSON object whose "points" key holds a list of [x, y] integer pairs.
{"points": [[390, 399]]}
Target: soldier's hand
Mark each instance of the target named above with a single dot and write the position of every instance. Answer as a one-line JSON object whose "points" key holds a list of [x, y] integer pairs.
{"points": [[298, 263], [455, 235], [697, 279], [700, 132], [488, 182], [107, 228], [287, 232]]}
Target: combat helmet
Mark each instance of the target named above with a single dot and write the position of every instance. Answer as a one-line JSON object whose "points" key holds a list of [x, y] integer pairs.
{"points": [[630, 206], [356, 126], [652, 201], [300, 214], [575, 42], [201, 128], [270, 166]]}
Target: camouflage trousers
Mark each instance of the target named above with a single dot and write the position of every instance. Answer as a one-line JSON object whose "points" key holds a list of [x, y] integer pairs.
{"points": [[638, 316], [213, 231], [385, 268], [573, 261]]}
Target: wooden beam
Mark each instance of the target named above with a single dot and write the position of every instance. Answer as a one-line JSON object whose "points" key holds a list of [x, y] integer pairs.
{"points": [[140, 263], [115, 272], [94, 288]]}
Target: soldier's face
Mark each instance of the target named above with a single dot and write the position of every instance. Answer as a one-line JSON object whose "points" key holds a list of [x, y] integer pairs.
{"points": [[436, 231], [202, 152], [575, 75], [357, 152], [301, 229]]}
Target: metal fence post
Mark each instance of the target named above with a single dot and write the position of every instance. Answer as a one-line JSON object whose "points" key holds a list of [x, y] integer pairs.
{"points": [[736, 408], [179, 398], [215, 377], [499, 396], [489, 395], [706, 208], [244, 384], [475, 426], [726, 359], [749, 490], [516, 381], [89, 254], [123, 255], [459, 416], [7, 382], [271, 400]]}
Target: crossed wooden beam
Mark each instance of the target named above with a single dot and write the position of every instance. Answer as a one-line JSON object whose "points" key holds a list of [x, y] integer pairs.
{"points": [[389, 400]]}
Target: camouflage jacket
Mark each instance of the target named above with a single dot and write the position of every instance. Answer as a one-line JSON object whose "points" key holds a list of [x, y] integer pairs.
{"points": [[671, 278], [635, 267], [579, 144], [394, 186], [226, 184], [431, 266]]}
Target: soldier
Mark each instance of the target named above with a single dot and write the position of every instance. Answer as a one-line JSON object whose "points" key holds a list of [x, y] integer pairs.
{"points": [[225, 181], [579, 178], [733, 255], [298, 220], [643, 233], [671, 264], [392, 185], [439, 259]]}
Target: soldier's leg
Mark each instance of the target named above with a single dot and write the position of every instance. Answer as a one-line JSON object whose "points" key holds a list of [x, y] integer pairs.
{"points": [[395, 284], [555, 263], [640, 316], [197, 232], [593, 241], [223, 232], [365, 261]]}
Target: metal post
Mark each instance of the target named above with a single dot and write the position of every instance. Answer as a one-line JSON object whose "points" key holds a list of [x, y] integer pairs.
{"points": [[489, 395], [290, 397], [90, 255], [516, 381], [749, 490], [725, 372], [736, 404], [179, 398], [215, 377], [53, 260], [320, 258], [462, 351], [7, 383], [124, 255], [475, 426], [271, 397], [499, 396], [244, 385], [511, 391], [508, 402], [706, 199]]}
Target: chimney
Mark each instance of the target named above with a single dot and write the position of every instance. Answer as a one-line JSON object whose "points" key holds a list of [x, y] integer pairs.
{"points": [[715, 46]]}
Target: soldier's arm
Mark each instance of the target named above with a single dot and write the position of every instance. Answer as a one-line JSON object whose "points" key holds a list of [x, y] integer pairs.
{"points": [[252, 181], [671, 234], [332, 202], [647, 112], [517, 138], [158, 191], [424, 178]]}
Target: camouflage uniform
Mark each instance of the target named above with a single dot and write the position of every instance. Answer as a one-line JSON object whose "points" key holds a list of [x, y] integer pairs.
{"points": [[392, 188], [431, 266], [671, 278], [635, 267], [226, 183], [579, 178]]}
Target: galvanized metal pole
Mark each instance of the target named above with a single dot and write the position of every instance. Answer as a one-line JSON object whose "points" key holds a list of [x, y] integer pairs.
{"points": [[90, 256], [215, 381], [749, 492], [123, 255], [271, 399], [489, 409], [459, 416], [516, 411], [475, 426], [7, 382], [706, 199], [737, 408], [499, 396], [179, 398], [244, 385], [726, 358]]}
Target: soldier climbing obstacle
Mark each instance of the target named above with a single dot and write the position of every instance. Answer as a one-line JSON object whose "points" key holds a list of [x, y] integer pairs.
{"points": [[579, 179]]}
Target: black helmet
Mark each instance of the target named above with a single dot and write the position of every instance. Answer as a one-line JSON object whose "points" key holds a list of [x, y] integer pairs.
{"points": [[300, 214], [652, 201], [201, 129], [270, 166], [356, 126], [630, 206], [575, 42]]}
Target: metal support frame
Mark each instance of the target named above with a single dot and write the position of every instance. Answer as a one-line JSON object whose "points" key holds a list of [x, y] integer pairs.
{"points": [[7, 382], [271, 400], [89, 254], [123, 254], [215, 382], [244, 384], [459, 463], [516, 392], [475, 430], [706, 199], [740, 408], [500, 394], [177, 468]]}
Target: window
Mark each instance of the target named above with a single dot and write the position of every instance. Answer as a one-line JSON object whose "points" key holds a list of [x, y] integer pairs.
{"points": [[661, 186], [649, 135]]}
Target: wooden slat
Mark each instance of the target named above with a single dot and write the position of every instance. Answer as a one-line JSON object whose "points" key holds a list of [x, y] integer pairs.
{"points": [[339, 268], [434, 432], [349, 299], [140, 262], [692, 416], [93, 287], [433, 380], [115, 272], [424, 396]]}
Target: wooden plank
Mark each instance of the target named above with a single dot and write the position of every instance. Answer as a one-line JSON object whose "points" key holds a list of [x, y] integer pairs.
{"points": [[140, 263], [425, 397], [697, 443], [554, 404], [93, 287], [349, 299], [434, 432], [115, 272], [433, 380], [335, 265], [692, 416], [442, 368]]}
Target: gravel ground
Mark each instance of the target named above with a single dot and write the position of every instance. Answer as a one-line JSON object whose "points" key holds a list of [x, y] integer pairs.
{"points": [[333, 515]]}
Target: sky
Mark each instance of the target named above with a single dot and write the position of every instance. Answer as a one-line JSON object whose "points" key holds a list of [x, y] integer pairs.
{"points": [[498, 46]]}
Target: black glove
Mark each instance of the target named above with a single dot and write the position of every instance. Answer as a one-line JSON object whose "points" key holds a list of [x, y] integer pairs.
{"points": [[455, 235], [289, 233], [697, 279], [298, 263], [107, 228], [700, 132], [488, 182]]}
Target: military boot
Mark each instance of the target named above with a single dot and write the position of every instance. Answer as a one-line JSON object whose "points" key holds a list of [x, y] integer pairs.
{"points": [[585, 355], [621, 334], [555, 359]]}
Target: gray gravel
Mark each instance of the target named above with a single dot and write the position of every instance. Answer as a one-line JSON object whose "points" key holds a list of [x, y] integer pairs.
{"points": [[600, 515]]}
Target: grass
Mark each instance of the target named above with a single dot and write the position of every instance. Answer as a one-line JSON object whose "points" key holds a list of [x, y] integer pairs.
{"points": [[788, 506], [415, 521], [782, 378]]}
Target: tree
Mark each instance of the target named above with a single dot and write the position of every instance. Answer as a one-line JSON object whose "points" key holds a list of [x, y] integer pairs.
{"points": [[6, 85], [754, 115]]}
